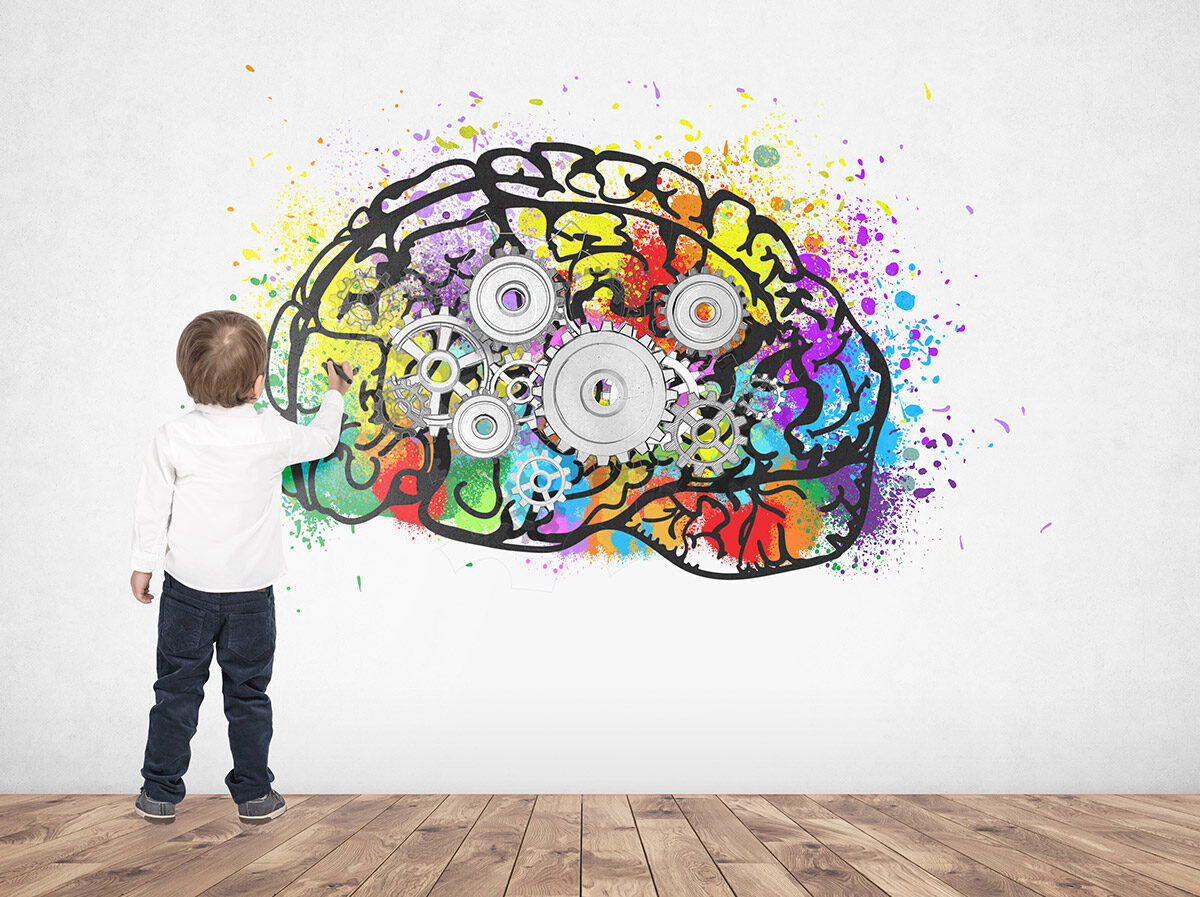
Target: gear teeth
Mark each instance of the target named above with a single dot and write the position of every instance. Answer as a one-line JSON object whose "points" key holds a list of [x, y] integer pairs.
{"points": [[621, 457], [646, 340], [607, 325], [626, 329]]}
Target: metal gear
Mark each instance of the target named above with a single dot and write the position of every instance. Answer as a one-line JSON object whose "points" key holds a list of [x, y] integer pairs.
{"points": [[483, 425], [706, 311], [761, 385], [441, 374], [515, 298], [706, 432], [541, 481], [512, 379], [359, 299], [380, 417], [603, 393]]}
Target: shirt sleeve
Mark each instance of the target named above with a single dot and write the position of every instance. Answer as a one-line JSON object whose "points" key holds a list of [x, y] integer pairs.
{"points": [[152, 509], [320, 436]]}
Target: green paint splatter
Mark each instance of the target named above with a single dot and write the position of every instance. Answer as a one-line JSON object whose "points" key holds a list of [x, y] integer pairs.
{"points": [[359, 578], [469, 564]]}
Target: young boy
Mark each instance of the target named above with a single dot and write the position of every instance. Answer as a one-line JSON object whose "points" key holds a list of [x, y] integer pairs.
{"points": [[209, 499]]}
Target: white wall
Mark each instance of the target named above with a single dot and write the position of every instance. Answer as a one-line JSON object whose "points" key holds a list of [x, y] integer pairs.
{"points": [[1027, 661]]}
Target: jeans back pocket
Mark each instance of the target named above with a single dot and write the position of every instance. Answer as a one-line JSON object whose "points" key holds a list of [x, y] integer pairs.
{"points": [[180, 627], [251, 635]]}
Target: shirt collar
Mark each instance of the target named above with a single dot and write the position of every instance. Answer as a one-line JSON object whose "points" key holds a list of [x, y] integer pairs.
{"points": [[246, 409]]}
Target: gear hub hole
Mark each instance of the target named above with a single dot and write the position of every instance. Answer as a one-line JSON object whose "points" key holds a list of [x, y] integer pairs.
{"points": [[513, 299], [706, 433], [704, 311], [485, 425], [604, 392]]}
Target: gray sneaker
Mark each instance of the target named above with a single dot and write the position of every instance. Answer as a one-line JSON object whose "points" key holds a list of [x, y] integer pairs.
{"points": [[262, 809], [159, 811]]}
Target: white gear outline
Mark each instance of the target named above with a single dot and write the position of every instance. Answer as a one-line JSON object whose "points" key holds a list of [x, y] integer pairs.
{"points": [[758, 385], [446, 327], [726, 444], [547, 407], [360, 312], [690, 335], [523, 493], [524, 264]]}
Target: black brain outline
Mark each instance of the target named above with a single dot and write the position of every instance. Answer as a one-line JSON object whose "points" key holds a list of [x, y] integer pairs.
{"points": [[817, 341]]}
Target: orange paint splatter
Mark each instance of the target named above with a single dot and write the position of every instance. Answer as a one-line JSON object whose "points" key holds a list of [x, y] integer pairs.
{"points": [[691, 157], [320, 140], [229, 208], [249, 68]]}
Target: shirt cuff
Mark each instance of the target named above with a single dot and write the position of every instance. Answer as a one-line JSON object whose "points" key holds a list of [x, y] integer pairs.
{"points": [[144, 563]]}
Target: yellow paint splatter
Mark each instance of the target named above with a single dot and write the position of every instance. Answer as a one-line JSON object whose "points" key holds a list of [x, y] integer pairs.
{"points": [[928, 95], [248, 254], [535, 102], [883, 205]]}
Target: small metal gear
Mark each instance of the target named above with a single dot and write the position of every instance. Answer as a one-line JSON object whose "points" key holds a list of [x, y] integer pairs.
{"points": [[512, 378], [760, 387], [483, 425], [603, 393], [380, 417], [453, 366], [706, 311], [541, 481], [706, 432], [515, 298]]}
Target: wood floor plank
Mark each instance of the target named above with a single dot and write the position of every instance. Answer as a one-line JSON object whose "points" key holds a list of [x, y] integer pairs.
{"points": [[1021, 867], [49, 828], [612, 862], [1188, 803], [810, 862], [483, 864], [748, 866], [182, 841], [27, 856], [281, 865], [956, 869], [350, 863], [221, 860], [679, 863], [891, 872], [414, 866], [1153, 811], [1008, 807], [1176, 843], [548, 863], [83, 871], [52, 808], [1050, 850]]}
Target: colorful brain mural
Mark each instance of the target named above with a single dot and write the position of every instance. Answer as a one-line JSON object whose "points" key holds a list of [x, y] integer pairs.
{"points": [[560, 344]]}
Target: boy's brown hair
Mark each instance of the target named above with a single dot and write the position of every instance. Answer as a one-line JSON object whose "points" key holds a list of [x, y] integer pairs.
{"points": [[220, 355]]}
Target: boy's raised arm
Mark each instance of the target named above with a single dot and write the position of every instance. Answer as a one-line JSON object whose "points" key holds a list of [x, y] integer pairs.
{"points": [[320, 437], [152, 509]]}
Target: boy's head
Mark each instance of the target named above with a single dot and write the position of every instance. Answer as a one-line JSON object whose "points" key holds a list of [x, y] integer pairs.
{"points": [[221, 354]]}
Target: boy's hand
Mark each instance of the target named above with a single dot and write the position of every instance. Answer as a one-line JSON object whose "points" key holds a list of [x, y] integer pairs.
{"points": [[336, 380], [140, 583]]}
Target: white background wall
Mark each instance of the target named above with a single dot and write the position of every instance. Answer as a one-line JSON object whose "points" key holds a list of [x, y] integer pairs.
{"points": [[1067, 660]]}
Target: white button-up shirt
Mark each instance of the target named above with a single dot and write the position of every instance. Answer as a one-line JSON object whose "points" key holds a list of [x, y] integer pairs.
{"points": [[209, 501]]}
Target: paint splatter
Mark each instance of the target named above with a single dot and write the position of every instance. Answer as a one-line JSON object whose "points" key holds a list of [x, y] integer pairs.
{"points": [[1001, 423], [1044, 528]]}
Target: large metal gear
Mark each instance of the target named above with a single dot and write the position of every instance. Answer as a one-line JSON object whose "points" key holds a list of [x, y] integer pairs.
{"points": [[512, 378], [483, 425], [450, 362], [515, 298], [541, 481], [705, 311], [706, 432], [603, 393]]}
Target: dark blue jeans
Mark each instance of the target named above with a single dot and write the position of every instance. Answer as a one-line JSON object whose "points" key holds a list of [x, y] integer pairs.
{"points": [[242, 627]]}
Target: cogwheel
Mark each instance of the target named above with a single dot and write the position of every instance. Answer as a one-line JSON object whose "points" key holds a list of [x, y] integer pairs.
{"points": [[512, 379], [762, 387], [706, 311], [359, 299], [483, 425], [380, 417], [603, 393], [705, 433], [542, 481], [449, 361], [406, 401], [515, 298]]}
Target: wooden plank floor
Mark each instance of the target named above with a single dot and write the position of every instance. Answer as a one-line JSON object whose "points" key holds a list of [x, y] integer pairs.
{"points": [[609, 845]]}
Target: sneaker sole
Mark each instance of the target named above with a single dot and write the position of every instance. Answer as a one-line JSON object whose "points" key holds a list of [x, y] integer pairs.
{"points": [[159, 820], [258, 820]]}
